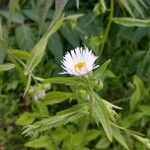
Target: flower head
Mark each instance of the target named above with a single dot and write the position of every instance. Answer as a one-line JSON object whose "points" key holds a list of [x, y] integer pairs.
{"points": [[78, 61]]}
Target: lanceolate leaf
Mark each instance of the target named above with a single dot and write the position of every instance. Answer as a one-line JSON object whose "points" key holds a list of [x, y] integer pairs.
{"points": [[131, 22], [102, 69], [5, 67], [65, 80], [39, 49], [101, 115], [119, 137], [57, 97]]}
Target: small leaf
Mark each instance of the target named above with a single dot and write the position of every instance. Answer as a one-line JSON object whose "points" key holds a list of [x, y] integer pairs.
{"points": [[102, 144], [42, 142], [26, 118], [57, 97], [102, 68], [25, 38], [7, 66], [131, 22]]}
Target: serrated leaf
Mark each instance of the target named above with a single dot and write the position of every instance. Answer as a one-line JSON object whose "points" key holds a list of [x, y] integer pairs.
{"points": [[56, 97], [6, 67], [59, 119], [42, 142], [24, 37], [101, 115], [131, 22], [119, 137], [26, 118], [100, 71]]}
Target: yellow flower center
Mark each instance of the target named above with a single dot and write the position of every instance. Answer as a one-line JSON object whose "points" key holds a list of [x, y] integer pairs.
{"points": [[79, 66]]}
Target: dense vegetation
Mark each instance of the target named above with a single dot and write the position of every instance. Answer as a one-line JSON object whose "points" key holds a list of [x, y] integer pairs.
{"points": [[39, 108]]}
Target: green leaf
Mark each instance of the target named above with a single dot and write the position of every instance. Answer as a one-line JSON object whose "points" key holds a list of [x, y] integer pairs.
{"points": [[59, 119], [7, 66], [42, 142], [77, 3], [100, 71], [2, 54], [102, 144], [137, 6], [145, 141], [101, 115], [43, 7], [69, 35], [119, 137], [22, 54], [91, 134], [24, 37], [55, 46], [57, 97], [59, 6], [138, 93], [26, 118], [131, 22], [145, 109], [76, 139], [14, 17], [65, 80], [38, 50]]}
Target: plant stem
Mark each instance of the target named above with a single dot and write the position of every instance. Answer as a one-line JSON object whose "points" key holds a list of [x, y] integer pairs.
{"points": [[108, 27]]}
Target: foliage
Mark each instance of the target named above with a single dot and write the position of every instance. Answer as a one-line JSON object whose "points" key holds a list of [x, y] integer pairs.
{"points": [[101, 110]]}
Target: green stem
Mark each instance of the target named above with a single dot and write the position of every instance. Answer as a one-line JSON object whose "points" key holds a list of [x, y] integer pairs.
{"points": [[108, 27]]}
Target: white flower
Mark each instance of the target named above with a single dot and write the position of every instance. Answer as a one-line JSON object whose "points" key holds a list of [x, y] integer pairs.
{"points": [[79, 61]]}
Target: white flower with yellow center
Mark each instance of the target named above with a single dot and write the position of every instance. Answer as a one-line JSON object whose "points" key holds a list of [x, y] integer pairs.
{"points": [[78, 62]]}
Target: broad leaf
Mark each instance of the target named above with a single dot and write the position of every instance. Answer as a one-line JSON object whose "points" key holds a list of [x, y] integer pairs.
{"points": [[26, 118], [41, 142], [24, 37]]}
